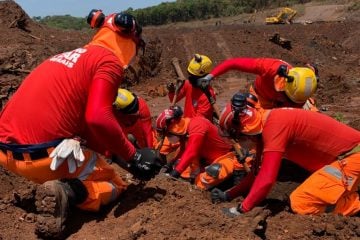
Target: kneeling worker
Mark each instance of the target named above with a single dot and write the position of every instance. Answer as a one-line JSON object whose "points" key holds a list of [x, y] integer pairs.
{"points": [[314, 141], [202, 141]]}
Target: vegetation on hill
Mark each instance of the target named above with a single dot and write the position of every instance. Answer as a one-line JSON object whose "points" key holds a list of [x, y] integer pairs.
{"points": [[178, 11], [64, 22], [189, 10]]}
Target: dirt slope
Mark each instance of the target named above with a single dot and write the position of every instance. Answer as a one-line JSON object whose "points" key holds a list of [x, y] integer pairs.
{"points": [[166, 209]]}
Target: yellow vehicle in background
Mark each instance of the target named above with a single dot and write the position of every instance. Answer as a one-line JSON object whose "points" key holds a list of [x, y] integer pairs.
{"points": [[285, 16]]}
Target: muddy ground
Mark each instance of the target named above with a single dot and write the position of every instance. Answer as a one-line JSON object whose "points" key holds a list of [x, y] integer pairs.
{"points": [[167, 209]]}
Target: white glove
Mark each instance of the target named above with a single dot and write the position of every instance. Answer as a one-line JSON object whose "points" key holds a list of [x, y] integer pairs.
{"points": [[70, 150], [204, 82]]}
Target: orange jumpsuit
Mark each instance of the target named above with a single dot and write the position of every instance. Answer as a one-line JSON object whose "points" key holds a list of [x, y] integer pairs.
{"points": [[315, 142]]}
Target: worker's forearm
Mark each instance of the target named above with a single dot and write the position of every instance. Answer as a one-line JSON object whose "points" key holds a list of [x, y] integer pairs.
{"points": [[264, 180]]}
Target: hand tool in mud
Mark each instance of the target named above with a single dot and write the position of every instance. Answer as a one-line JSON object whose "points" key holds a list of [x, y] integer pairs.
{"points": [[181, 78], [235, 144]]}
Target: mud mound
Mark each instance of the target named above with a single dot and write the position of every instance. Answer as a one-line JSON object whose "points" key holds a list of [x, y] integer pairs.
{"points": [[12, 15], [25, 44]]}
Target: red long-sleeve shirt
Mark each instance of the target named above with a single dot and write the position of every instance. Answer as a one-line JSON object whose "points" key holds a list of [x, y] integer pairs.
{"points": [[196, 102], [138, 124], [203, 142], [266, 70], [309, 139], [70, 94]]}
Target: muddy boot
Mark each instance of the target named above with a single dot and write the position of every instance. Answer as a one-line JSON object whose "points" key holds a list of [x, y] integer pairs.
{"points": [[52, 205], [53, 200]]}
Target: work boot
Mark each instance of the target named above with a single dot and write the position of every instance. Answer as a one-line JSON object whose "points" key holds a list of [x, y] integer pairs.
{"points": [[52, 205]]}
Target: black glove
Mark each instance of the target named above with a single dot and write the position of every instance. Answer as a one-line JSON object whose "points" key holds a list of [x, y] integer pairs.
{"points": [[171, 87], [218, 196], [146, 163]]}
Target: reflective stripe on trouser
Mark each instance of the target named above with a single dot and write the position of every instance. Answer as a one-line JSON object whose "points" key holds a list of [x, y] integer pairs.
{"points": [[98, 176], [104, 185], [228, 163], [325, 189]]}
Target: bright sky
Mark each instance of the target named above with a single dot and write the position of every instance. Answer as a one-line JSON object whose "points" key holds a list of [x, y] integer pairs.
{"points": [[81, 8]]}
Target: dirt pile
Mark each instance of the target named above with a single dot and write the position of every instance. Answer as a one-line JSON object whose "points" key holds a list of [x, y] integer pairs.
{"points": [[25, 44], [163, 208]]}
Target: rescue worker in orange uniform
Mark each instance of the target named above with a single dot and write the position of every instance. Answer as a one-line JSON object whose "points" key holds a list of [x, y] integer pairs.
{"points": [[278, 84], [64, 104], [318, 143], [201, 140], [134, 117], [196, 100]]}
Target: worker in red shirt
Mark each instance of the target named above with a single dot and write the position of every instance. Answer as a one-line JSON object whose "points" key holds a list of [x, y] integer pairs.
{"points": [[64, 104], [134, 117], [277, 84], [201, 140], [196, 100], [316, 142]]}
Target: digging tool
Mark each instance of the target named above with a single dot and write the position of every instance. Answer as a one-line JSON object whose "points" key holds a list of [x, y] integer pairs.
{"points": [[181, 78], [176, 63]]}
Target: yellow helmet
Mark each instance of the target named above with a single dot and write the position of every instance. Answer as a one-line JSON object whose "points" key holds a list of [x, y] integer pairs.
{"points": [[200, 65], [126, 101], [301, 84]]}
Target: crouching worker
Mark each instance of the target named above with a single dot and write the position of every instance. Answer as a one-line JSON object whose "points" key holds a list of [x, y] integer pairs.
{"points": [[316, 142], [202, 141], [134, 117], [69, 95]]}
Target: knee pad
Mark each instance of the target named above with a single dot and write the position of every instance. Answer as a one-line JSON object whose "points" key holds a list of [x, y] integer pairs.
{"points": [[213, 170]]}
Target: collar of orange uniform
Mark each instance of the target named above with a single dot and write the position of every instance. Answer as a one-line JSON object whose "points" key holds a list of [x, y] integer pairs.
{"points": [[253, 120], [123, 47], [279, 83], [179, 127]]}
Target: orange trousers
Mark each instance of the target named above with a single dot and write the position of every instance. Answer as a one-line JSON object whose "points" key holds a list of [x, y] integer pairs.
{"points": [[332, 188], [100, 179], [228, 163]]}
